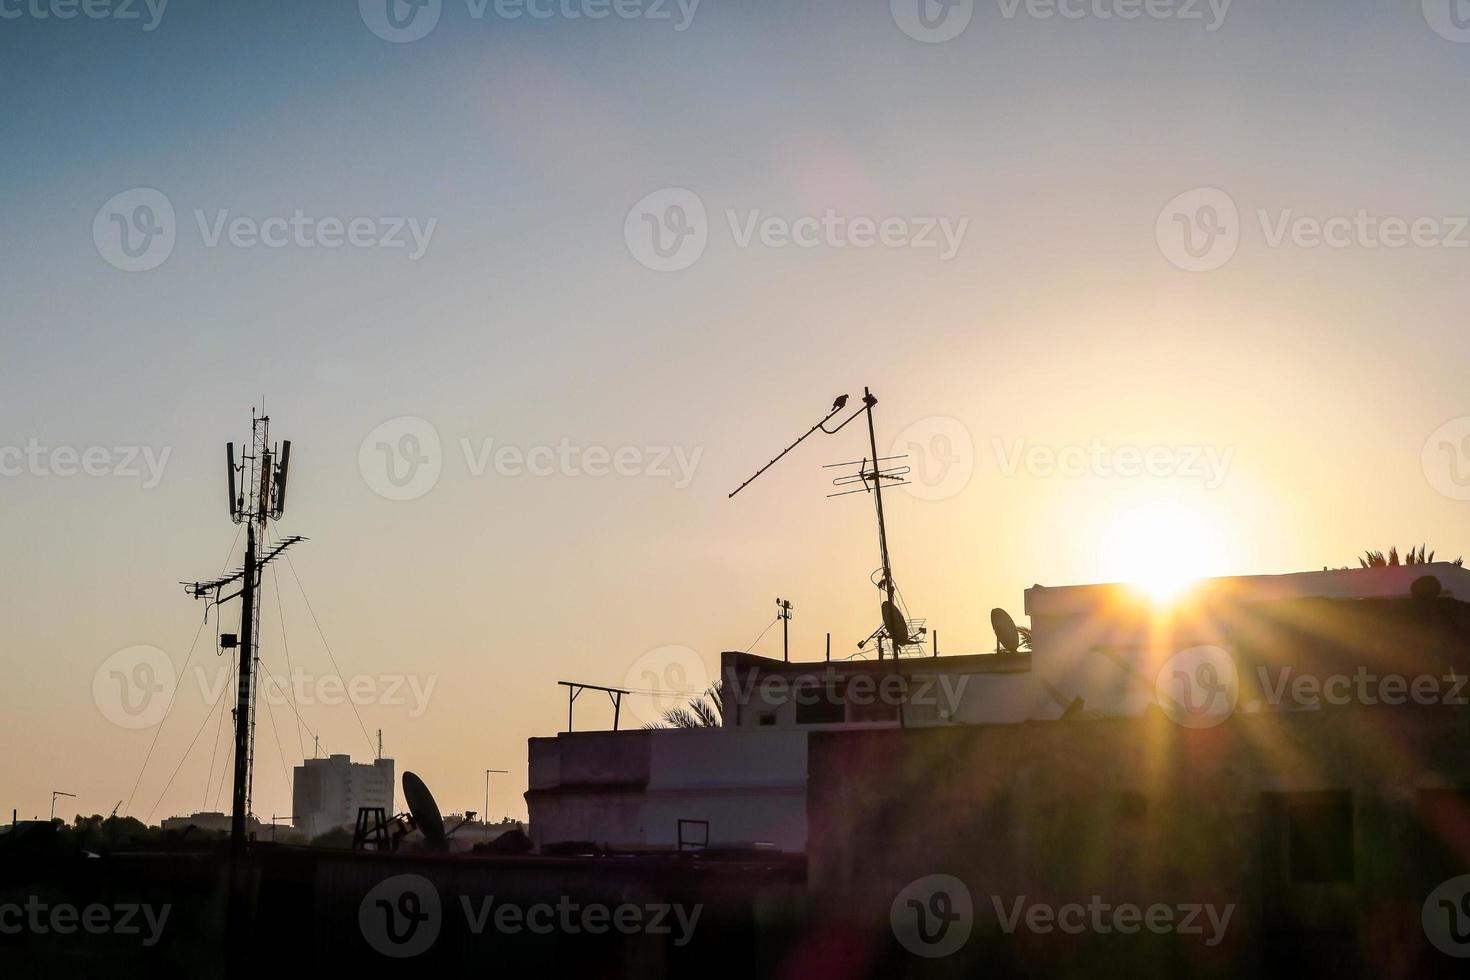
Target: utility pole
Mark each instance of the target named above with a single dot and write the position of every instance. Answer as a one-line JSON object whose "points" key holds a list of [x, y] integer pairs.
{"points": [[259, 497], [255, 501], [783, 612], [244, 700], [487, 800]]}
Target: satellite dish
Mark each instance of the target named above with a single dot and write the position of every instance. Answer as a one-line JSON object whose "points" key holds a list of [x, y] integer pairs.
{"points": [[425, 811], [1426, 587], [1006, 633], [896, 625]]}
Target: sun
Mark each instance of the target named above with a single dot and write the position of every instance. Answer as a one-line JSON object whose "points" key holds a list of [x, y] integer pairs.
{"points": [[1162, 548]]}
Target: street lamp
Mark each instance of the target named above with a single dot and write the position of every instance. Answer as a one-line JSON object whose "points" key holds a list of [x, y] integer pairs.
{"points": [[487, 801], [54, 794]]}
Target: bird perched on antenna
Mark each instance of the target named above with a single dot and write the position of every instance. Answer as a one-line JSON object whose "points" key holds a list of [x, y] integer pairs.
{"points": [[840, 401]]}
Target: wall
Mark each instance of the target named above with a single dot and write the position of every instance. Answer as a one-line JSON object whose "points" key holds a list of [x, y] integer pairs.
{"points": [[1145, 811], [630, 789]]}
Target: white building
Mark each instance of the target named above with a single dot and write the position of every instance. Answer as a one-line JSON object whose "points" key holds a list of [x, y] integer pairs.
{"points": [[326, 793], [1097, 649]]}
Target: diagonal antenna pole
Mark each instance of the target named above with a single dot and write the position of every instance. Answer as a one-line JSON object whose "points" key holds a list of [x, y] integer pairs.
{"points": [[868, 402], [837, 405]]}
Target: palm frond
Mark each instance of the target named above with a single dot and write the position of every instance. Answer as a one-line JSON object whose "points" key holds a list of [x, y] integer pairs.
{"points": [[705, 711]]}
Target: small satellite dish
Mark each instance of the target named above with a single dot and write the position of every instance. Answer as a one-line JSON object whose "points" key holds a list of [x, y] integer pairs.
{"points": [[1426, 587], [1006, 634], [425, 811], [896, 625]]}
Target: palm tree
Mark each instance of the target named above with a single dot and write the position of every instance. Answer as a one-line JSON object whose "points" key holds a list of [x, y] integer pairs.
{"points": [[705, 711], [1376, 559]]}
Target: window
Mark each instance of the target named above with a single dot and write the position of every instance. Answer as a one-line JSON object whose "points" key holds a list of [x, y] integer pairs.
{"points": [[1319, 836], [821, 704]]}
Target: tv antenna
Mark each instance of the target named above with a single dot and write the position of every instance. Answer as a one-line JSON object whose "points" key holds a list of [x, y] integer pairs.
{"points": [[256, 499], [872, 477], [783, 613]]}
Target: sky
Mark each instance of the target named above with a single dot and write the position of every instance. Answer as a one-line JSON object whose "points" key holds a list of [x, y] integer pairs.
{"points": [[1143, 289]]}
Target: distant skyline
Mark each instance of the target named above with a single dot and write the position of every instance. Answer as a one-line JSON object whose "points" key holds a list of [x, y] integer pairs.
{"points": [[1145, 293]]}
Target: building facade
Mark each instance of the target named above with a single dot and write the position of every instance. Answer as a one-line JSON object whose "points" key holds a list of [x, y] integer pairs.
{"points": [[327, 793], [1230, 646]]}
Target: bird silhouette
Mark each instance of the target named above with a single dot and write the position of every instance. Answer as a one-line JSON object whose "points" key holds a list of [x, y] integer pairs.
{"points": [[839, 402]]}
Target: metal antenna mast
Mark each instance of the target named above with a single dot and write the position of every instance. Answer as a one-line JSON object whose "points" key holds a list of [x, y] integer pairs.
{"points": [[260, 497], [868, 402], [871, 475]]}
